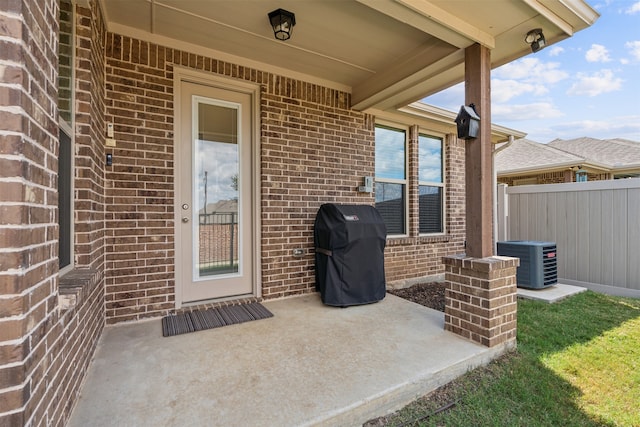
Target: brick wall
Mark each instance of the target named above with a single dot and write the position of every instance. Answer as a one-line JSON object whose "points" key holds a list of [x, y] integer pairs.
{"points": [[28, 266], [44, 348], [314, 150], [553, 177], [139, 243], [89, 141], [547, 178], [481, 299]]}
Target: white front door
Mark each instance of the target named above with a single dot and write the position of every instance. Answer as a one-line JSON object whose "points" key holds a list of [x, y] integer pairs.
{"points": [[214, 257]]}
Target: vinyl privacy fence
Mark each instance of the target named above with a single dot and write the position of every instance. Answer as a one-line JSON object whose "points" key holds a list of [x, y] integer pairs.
{"points": [[595, 225]]}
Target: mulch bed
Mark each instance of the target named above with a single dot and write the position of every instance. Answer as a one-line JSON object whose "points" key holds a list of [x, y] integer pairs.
{"points": [[428, 294]]}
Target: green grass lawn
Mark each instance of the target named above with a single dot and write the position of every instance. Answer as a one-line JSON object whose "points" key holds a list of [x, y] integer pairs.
{"points": [[577, 364]]}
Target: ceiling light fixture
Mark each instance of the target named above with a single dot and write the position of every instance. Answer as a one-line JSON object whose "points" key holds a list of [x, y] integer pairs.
{"points": [[536, 39], [282, 22]]}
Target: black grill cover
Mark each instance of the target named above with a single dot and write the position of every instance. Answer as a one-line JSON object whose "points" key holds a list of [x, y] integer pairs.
{"points": [[349, 241]]}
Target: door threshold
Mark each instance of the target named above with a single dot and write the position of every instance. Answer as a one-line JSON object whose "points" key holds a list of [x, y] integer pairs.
{"points": [[218, 302]]}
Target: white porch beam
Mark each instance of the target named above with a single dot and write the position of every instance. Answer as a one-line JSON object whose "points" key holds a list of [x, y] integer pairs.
{"points": [[432, 20], [446, 19], [382, 92]]}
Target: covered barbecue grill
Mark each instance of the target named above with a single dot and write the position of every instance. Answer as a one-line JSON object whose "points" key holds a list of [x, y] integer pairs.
{"points": [[349, 241]]}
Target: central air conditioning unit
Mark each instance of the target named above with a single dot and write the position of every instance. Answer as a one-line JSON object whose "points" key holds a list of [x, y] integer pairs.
{"points": [[538, 262]]}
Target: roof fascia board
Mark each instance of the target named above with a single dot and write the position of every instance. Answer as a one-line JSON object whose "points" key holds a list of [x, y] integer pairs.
{"points": [[452, 22], [634, 168], [556, 168], [582, 10], [433, 124], [550, 16], [420, 109], [536, 170], [379, 92], [409, 15], [437, 119]]}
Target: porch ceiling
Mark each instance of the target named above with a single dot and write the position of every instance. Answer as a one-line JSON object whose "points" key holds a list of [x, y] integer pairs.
{"points": [[387, 53]]}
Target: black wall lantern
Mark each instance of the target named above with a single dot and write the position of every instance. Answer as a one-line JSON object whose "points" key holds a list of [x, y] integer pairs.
{"points": [[536, 39], [282, 22], [468, 122]]}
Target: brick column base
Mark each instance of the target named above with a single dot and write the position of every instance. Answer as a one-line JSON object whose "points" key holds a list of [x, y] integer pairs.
{"points": [[481, 299]]}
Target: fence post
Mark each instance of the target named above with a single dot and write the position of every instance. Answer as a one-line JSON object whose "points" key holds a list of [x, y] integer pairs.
{"points": [[232, 236], [503, 213]]}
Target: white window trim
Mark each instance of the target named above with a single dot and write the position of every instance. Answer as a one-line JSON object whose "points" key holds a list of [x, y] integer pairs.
{"points": [[405, 181], [442, 184]]}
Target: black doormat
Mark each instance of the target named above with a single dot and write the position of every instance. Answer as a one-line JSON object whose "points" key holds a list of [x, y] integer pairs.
{"points": [[200, 320]]}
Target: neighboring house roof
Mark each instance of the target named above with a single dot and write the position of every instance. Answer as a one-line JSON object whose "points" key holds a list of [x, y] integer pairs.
{"points": [[525, 156], [614, 153], [221, 206]]}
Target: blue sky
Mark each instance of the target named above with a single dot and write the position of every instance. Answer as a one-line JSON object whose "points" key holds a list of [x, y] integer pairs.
{"points": [[586, 85]]}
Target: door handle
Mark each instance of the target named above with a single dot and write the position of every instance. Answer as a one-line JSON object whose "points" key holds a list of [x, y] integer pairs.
{"points": [[185, 219]]}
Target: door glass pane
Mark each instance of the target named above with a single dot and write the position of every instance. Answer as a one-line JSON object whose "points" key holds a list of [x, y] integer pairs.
{"points": [[216, 188]]}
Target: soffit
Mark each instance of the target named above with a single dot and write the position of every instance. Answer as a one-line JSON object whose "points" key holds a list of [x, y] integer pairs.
{"points": [[387, 53]]}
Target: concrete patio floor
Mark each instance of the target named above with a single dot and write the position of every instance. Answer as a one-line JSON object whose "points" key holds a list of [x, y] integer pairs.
{"points": [[308, 365]]}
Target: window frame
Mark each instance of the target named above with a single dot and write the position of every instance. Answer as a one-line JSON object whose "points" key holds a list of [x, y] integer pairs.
{"points": [[67, 128], [406, 130], [441, 185]]}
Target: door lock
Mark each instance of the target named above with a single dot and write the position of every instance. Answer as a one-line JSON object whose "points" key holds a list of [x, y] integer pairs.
{"points": [[185, 219], [185, 206]]}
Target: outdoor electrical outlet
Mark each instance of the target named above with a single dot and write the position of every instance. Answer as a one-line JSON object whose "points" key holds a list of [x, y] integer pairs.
{"points": [[298, 252], [368, 181], [368, 185]]}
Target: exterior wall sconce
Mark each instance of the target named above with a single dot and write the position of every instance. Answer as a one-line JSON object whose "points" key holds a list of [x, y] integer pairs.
{"points": [[282, 22], [468, 122], [536, 39]]}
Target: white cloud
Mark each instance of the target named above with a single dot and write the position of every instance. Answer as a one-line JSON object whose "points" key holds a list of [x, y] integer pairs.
{"points": [[220, 161], [450, 98], [556, 50], [522, 112], [504, 90], [597, 53], [634, 8], [531, 70], [613, 127], [595, 84], [634, 48], [526, 76]]}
